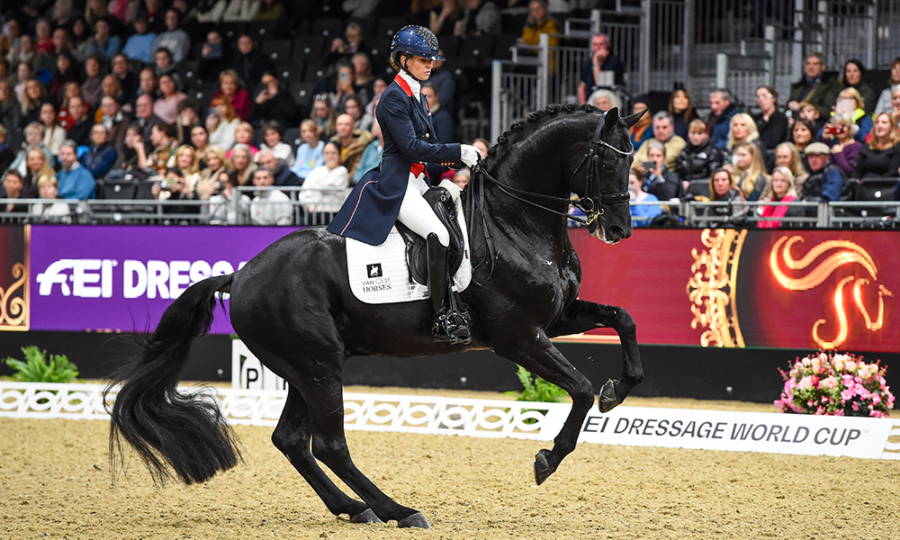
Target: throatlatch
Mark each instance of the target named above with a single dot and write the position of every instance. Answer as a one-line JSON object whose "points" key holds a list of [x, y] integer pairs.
{"points": [[451, 316]]}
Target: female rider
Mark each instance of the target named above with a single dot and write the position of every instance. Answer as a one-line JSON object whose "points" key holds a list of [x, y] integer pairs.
{"points": [[393, 192]]}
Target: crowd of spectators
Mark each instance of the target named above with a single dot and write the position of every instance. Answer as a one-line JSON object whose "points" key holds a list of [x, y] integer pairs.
{"points": [[193, 97]]}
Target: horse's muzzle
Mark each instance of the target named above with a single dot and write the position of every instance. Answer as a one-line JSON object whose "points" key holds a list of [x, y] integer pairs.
{"points": [[614, 233]]}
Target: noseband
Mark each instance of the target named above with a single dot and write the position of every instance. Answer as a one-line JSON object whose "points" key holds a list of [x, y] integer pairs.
{"points": [[591, 204]]}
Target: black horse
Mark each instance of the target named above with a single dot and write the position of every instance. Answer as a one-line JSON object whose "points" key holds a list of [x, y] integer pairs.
{"points": [[293, 308]]}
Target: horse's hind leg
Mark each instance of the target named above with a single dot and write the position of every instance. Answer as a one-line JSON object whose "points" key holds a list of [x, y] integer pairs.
{"points": [[582, 316], [292, 436], [541, 358], [324, 397]]}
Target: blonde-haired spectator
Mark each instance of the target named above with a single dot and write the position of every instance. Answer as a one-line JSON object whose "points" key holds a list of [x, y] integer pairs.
{"points": [[780, 189], [54, 210]]}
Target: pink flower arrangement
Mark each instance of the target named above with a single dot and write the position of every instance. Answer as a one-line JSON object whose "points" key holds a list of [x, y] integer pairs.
{"points": [[835, 384]]}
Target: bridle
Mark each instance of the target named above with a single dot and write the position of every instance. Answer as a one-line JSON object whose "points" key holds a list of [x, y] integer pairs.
{"points": [[590, 204]]}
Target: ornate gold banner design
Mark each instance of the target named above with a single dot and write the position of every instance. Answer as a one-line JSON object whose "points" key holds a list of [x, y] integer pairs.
{"points": [[713, 285]]}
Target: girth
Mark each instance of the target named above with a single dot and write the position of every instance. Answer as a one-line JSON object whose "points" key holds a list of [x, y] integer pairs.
{"points": [[417, 253]]}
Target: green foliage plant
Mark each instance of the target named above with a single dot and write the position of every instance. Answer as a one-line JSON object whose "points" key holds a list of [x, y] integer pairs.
{"points": [[537, 389], [35, 368]]}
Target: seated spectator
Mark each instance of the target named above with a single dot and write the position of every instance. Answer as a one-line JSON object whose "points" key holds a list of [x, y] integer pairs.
{"points": [[309, 154], [270, 10], [100, 156], [54, 134], [134, 154], [605, 99], [72, 89], [24, 52], [881, 156], [802, 134], [112, 89], [344, 87], [780, 189], [174, 38], [895, 104], [163, 63], [7, 156], [814, 87], [34, 97], [810, 113], [80, 131], [208, 184], [659, 180], [850, 102], [249, 63], [155, 10], [440, 118], [269, 206], [210, 11], [243, 134], [884, 99], [148, 85], [343, 48], [352, 143], [43, 38], [700, 157], [539, 22], [222, 208], [24, 73], [482, 145], [128, 81], [141, 44], [10, 108], [213, 57], [480, 18], [75, 182], [722, 111], [324, 116], [682, 111], [278, 168], [371, 156], [37, 167], [34, 139], [81, 32], [186, 160], [441, 78], [771, 123], [363, 78], [115, 122], [749, 170], [826, 181], [854, 77], [602, 59], [54, 210], [164, 143], [101, 43], [222, 123], [166, 107], [844, 150], [240, 11], [664, 133], [188, 117], [272, 134], [462, 177], [62, 43], [723, 189], [644, 212], [175, 188], [742, 130], [229, 88], [64, 74], [329, 175], [787, 155], [12, 189], [272, 104], [92, 86], [200, 141], [242, 162]]}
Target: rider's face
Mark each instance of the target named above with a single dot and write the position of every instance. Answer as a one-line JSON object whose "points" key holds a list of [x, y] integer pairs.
{"points": [[419, 67]]}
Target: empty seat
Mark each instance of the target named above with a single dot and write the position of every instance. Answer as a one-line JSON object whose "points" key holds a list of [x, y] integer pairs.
{"points": [[230, 31], [479, 47], [292, 137], [386, 27], [289, 72], [302, 92], [263, 31], [277, 50], [327, 28], [308, 48]]}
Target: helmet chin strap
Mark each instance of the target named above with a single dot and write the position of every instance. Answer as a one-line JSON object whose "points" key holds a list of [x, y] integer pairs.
{"points": [[405, 65]]}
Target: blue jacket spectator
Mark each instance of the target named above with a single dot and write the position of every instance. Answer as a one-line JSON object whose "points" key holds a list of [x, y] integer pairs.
{"points": [[100, 156], [720, 117], [140, 45], [370, 159], [309, 155], [175, 39], [75, 182]]}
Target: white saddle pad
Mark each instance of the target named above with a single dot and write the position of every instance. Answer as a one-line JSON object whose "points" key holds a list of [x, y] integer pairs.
{"points": [[379, 274]]}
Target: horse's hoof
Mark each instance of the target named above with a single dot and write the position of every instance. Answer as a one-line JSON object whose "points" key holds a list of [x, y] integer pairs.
{"points": [[608, 400], [416, 520], [542, 470], [366, 516]]}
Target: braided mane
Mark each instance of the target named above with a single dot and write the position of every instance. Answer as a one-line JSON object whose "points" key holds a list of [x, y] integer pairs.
{"points": [[525, 128]]}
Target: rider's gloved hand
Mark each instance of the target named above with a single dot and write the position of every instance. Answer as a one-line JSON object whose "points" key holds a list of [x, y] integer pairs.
{"points": [[452, 188], [470, 155]]}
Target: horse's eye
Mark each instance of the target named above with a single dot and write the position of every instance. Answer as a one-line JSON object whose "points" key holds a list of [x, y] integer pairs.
{"points": [[607, 167]]}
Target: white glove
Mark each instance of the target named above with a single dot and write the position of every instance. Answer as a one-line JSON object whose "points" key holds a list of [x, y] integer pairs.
{"points": [[452, 188], [470, 155]]}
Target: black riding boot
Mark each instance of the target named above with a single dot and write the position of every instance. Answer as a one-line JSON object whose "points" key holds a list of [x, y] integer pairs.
{"points": [[451, 316]]}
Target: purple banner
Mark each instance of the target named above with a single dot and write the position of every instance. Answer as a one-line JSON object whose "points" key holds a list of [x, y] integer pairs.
{"points": [[122, 278]]}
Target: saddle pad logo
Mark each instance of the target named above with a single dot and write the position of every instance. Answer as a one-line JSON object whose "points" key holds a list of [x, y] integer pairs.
{"points": [[374, 270]]}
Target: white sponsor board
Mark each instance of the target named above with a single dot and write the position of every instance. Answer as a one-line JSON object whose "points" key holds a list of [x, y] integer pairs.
{"points": [[868, 438]]}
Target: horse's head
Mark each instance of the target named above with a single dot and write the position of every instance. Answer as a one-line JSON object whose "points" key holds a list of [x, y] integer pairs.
{"points": [[604, 195]]}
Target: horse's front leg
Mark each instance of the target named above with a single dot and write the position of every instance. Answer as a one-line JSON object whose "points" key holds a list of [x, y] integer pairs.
{"points": [[539, 356], [582, 316]]}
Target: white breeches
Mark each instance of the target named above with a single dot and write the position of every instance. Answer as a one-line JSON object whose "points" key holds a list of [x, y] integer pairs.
{"points": [[416, 214]]}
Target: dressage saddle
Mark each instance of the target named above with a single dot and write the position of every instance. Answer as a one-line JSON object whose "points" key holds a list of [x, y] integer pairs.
{"points": [[416, 248]]}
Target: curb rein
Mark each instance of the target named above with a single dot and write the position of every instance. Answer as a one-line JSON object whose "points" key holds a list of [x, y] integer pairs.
{"points": [[592, 210]]}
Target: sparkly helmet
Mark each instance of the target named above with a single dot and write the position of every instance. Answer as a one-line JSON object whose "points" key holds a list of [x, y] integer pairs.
{"points": [[414, 40]]}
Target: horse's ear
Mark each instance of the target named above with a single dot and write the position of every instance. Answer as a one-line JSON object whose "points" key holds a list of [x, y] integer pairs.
{"points": [[633, 119], [612, 118]]}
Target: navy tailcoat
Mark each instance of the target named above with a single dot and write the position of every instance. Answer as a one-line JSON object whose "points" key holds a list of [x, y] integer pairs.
{"points": [[409, 142]]}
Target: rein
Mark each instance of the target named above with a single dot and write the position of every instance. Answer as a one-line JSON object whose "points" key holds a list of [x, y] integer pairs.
{"points": [[592, 209]]}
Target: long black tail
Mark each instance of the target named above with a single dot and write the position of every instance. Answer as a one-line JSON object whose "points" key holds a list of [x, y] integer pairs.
{"points": [[171, 431]]}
